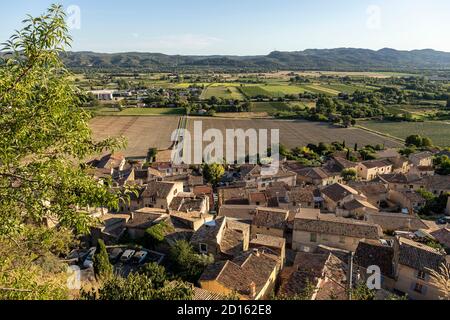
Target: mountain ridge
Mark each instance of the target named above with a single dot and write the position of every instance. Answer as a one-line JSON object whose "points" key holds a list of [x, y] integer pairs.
{"points": [[346, 59]]}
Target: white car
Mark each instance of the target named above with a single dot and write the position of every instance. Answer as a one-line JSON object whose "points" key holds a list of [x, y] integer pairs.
{"points": [[127, 255]]}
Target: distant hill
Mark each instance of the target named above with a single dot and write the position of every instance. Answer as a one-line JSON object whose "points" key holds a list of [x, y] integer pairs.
{"points": [[346, 59]]}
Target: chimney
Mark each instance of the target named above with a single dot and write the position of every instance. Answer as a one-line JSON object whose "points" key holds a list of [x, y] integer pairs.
{"points": [[252, 290]]}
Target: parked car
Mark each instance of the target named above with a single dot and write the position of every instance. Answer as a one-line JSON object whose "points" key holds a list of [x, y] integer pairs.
{"points": [[139, 257], [88, 262], [115, 255], [127, 255]]}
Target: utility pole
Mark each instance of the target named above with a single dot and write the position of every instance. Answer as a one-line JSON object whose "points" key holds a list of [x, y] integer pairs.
{"points": [[350, 275]]}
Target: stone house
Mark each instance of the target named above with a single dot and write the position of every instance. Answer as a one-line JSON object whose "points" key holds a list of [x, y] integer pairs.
{"points": [[270, 221], [251, 275], [369, 170], [311, 229], [413, 262], [223, 238]]}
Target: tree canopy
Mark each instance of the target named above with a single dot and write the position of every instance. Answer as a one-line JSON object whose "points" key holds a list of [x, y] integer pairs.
{"points": [[44, 141], [44, 135]]}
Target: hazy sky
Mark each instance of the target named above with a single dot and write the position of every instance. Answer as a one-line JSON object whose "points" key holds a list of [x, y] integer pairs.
{"points": [[244, 26]]}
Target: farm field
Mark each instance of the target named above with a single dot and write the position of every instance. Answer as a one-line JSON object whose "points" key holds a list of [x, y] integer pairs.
{"points": [[438, 132], [345, 88], [140, 111], [316, 88], [141, 133], [362, 74], [277, 91], [271, 107], [224, 92], [254, 91], [298, 133]]}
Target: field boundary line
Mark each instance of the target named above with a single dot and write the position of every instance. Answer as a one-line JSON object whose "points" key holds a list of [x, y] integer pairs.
{"points": [[380, 133]]}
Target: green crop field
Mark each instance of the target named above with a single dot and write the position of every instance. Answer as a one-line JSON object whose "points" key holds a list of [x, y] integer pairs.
{"points": [[254, 91], [269, 107], [224, 92], [282, 90], [438, 132], [315, 88]]}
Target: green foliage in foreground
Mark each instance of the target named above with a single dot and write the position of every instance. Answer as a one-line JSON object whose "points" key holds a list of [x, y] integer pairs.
{"points": [[187, 264], [30, 268], [102, 266], [44, 134], [151, 283], [139, 287]]}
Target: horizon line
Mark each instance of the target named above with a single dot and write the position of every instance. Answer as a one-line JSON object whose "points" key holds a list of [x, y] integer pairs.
{"points": [[252, 55]]}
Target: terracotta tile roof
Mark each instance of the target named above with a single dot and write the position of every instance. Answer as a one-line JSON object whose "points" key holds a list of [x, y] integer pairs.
{"points": [[344, 163], [400, 178], [202, 190], [233, 195], [256, 172], [412, 196], [159, 189], [238, 212], [337, 164], [184, 204], [143, 220], [269, 241], [202, 294], [337, 191], [442, 236], [252, 267], [209, 231], [324, 271], [229, 241], [421, 155], [301, 194], [191, 216], [270, 218], [313, 173], [396, 221], [109, 161], [358, 204], [277, 193], [436, 182], [376, 164], [330, 224], [369, 253], [419, 256], [257, 197], [370, 188]]}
